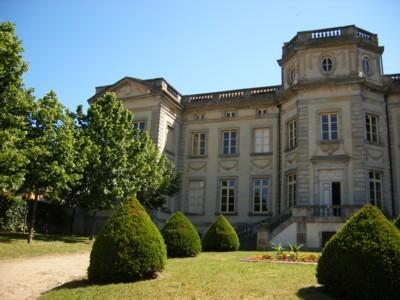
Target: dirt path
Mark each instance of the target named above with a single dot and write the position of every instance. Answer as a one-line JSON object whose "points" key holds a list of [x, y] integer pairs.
{"points": [[28, 278]]}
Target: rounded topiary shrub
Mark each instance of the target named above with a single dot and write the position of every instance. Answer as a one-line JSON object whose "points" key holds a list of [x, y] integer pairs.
{"points": [[129, 248], [397, 222], [180, 236], [362, 260], [221, 236]]}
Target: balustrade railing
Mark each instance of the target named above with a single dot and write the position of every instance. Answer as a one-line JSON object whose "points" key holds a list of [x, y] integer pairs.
{"points": [[343, 211]]}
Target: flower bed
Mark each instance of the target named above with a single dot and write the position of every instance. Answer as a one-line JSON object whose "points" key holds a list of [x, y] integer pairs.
{"points": [[284, 258]]}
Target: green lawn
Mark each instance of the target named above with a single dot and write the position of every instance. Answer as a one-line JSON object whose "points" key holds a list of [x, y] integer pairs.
{"points": [[208, 276], [13, 245]]}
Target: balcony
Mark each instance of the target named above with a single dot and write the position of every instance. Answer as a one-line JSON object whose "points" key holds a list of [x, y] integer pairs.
{"points": [[330, 35]]}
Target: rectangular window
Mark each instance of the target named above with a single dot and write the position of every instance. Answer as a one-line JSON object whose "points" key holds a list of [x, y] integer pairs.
{"points": [[291, 134], [371, 126], [375, 188], [230, 114], [329, 129], [229, 142], [227, 195], [170, 142], [198, 143], [261, 140], [139, 125], [196, 196], [260, 194], [291, 190]]}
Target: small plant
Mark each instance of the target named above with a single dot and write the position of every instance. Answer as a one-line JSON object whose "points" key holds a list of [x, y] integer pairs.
{"points": [[295, 249], [277, 248]]}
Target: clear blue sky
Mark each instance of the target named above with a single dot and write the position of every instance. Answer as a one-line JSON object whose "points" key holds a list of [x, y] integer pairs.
{"points": [[198, 46]]}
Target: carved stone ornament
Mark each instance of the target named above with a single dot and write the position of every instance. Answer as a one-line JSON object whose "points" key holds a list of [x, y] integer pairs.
{"points": [[260, 164], [330, 148], [374, 154], [228, 165], [197, 166]]}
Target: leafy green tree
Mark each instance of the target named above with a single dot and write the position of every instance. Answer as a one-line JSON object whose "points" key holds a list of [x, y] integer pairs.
{"points": [[118, 160], [397, 222], [16, 104], [51, 171]]}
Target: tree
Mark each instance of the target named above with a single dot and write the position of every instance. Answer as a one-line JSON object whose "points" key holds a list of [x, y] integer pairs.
{"points": [[120, 161], [220, 236], [51, 171], [180, 236], [397, 222], [129, 248], [16, 104], [362, 260]]}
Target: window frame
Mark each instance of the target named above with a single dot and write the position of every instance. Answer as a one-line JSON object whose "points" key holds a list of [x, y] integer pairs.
{"points": [[222, 140], [269, 141], [369, 128], [220, 196], [260, 187], [192, 140], [330, 131], [374, 181], [291, 134], [139, 122], [191, 180], [291, 190]]}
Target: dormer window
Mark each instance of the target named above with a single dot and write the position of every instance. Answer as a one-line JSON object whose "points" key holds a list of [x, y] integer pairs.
{"points": [[199, 117], [327, 65], [230, 114]]}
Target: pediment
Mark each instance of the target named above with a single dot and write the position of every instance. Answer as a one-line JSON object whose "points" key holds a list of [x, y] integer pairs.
{"points": [[130, 88]]}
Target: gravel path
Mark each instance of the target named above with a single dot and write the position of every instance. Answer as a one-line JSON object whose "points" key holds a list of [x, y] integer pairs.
{"points": [[28, 278]]}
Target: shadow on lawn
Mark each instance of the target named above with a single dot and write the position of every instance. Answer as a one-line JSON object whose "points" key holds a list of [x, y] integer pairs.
{"points": [[314, 293], [6, 237]]}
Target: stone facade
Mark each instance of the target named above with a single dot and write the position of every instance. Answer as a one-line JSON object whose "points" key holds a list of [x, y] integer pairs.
{"points": [[289, 162]]}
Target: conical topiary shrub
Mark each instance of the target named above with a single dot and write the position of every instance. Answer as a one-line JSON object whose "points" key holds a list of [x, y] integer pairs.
{"points": [[129, 248], [180, 236], [397, 222], [362, 260], [220, 236]]}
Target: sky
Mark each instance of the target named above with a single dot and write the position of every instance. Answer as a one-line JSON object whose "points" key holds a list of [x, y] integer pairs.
{"points": [[72, 46]]}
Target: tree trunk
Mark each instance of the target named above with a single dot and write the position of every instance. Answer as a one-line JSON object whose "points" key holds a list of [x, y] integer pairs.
{"points": [[72, 221], [33, 219], [91, 237]]}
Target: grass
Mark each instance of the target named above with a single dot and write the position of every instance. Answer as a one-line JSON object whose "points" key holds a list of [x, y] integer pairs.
{"points": [[14, 245], [208, 276]]}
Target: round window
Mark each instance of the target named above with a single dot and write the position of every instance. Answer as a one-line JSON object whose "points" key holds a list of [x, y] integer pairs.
{"points": [[327, 64]]}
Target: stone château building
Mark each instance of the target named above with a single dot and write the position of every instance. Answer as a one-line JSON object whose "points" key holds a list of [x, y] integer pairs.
{"points": [[285, 163]]}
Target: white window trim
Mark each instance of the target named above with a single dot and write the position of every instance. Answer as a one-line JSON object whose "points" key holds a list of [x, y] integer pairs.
{"points": [[291, 126], [192, 141], [227, 211], [370, 127], [222, 131], [138, 122], [329, 114], [202, 196], [268, 186], [375, 181], [291, 189]]}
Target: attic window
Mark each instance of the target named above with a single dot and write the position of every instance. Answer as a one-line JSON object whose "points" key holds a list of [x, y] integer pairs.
{"points": [[230, 114], [261, 111], [199, 117]]}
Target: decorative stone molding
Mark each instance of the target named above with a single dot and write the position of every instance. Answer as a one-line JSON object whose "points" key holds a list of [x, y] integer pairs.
{"points": [[291, 159], [197, 166], [374, 154], [329, 148], [228, 165], [332, 158], [260, 164]]}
